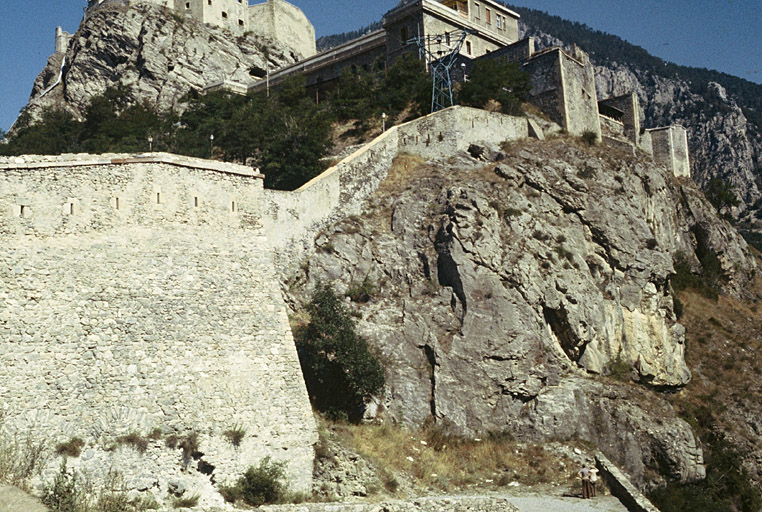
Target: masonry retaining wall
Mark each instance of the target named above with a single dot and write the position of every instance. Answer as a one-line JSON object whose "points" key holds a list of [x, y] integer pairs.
{"points": [[160, 312]]}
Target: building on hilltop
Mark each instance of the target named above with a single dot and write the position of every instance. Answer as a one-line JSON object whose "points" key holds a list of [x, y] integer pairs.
{"points": [[491, 25], [274, 19]]}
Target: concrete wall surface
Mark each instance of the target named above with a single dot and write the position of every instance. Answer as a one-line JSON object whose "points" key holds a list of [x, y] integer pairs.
{"points": [[163, 316]]}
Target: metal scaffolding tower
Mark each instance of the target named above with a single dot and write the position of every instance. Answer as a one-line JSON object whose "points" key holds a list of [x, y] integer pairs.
{"points": [[441, 51]]}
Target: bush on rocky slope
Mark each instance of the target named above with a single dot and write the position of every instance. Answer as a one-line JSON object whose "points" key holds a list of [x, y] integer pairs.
{"points": [[339, 369]]}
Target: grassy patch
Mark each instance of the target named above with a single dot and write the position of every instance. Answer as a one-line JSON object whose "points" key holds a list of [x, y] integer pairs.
{"points": [[134, 440], [21, 460], [235, 435], [431, 458], [361, 292], [185, 501]]}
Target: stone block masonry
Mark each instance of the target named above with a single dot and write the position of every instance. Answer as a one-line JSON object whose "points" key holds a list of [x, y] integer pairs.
{"points": [[139, 295]]}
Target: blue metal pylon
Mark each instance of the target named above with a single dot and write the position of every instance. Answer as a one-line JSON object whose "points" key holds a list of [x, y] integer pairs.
{"points": [[440, 57]]}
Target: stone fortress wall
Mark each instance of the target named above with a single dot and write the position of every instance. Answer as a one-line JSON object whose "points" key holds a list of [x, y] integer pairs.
{"points": [[139, 294]]}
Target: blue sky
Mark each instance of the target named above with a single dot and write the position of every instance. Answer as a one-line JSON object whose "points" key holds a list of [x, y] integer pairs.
{"points": [[718, 34]]}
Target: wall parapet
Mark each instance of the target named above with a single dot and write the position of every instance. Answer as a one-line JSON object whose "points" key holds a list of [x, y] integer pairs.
{"points": [[86, 159], [621, 487]]}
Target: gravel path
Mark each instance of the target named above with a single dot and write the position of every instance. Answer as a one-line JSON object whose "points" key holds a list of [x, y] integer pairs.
{"points": [[563, 504], [16, 500]]}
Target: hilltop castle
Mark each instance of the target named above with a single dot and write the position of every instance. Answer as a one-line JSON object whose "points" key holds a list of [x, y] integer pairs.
{"points": [[274, 19]]}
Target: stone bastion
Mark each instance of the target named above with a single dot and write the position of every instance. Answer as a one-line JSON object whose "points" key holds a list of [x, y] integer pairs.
{"points": [[139, 296]]}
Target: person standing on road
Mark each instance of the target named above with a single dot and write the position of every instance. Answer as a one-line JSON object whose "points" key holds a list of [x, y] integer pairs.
{"points": [[584, 474], [593, 480]]}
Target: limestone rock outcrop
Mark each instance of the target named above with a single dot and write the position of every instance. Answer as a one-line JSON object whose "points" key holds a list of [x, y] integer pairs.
{"points": [[157, 55], [505, 290]]}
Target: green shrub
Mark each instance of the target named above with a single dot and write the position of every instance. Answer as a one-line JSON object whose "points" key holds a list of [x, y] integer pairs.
{"points": [[619, 369], [590, 138], [339, 369], [361, 292], [721, 194], [707, 282], [71, 448], [65, 494], [496, 80], [235, 435], [258, 486]]}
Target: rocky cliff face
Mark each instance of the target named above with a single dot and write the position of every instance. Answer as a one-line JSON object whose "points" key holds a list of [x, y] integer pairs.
{"points": [[722, 142], [506, 292], [157, 55]]}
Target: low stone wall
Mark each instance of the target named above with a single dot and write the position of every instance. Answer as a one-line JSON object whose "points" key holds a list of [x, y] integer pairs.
{"points": [[621, 487], [452, 504]]}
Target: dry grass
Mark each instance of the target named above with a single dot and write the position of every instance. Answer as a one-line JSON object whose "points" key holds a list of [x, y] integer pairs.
{"points": [[434, 460], [405, 168], [21, 460], [724, 352]]}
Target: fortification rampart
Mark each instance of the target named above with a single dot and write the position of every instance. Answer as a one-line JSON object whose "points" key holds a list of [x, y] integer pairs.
{"points": [[140, 293], [159, 311], [292, 218]]}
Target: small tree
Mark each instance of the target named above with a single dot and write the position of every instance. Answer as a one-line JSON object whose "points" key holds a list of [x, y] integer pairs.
{"points": [[720, 193], [339, 369], [406, 83], [495, 80]]}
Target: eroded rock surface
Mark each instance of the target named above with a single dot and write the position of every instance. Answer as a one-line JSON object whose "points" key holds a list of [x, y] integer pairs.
{"points": [[157, 55], [504, 289]]}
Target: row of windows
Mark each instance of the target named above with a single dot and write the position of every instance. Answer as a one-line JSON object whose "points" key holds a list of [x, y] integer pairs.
{"points": [[72, 207], [500, 20]]}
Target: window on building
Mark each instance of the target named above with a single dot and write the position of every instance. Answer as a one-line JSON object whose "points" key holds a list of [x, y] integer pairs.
{"points": [[187, 5], [488, 15], [468, 47], [224, 14], [209, 2], [497, 21], [447, 38], [240, 23], [477, 11], [404, 35]]}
